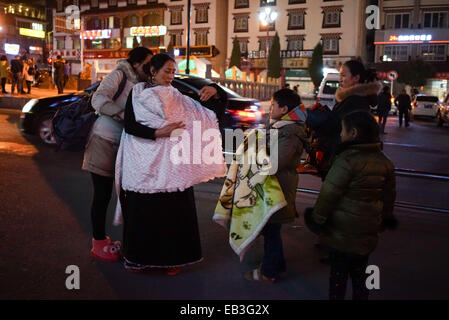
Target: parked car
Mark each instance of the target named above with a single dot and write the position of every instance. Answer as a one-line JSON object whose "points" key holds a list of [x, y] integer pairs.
{"points": [[443, 112], [328, 87], [425, 106], [244, 113]]}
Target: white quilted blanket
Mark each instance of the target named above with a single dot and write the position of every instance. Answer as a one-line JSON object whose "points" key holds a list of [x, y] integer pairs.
{"points": [[172, 163]]}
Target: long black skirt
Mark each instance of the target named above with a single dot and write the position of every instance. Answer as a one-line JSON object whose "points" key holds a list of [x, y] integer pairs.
{"points": [[160, 229]]}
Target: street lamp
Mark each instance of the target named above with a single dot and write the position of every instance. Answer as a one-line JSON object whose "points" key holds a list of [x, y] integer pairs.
{"points": [[267, 17]]}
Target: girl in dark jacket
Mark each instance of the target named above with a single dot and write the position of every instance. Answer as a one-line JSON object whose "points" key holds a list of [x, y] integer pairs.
{"points": [[356, 202]]}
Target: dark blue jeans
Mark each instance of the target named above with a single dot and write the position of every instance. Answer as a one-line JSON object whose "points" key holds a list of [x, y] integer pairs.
{"points": [[273, 260]]}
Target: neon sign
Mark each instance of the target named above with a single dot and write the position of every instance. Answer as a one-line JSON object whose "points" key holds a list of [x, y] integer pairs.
{"points": [[32, 33], [413, 37], [152, 31], [12, 48], [96, 34]]}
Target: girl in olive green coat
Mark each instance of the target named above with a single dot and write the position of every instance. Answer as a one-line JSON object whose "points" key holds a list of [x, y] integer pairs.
{"points": [[356, 200]]}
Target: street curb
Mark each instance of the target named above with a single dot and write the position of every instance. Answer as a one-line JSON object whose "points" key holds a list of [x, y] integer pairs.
{"points": [[13, 102]]}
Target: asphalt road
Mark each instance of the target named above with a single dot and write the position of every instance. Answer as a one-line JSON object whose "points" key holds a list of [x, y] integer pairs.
{"points": [[45, 227]]}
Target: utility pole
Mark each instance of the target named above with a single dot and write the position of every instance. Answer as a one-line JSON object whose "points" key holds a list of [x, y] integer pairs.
{"points": [[188, 37]]}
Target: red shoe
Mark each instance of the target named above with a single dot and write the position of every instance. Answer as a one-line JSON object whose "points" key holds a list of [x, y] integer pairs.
{"points": [[173, 271], [306, 168], [105, 250]]}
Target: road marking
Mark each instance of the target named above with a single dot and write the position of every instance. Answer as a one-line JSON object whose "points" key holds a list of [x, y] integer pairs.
{"points": [[416, 147]]}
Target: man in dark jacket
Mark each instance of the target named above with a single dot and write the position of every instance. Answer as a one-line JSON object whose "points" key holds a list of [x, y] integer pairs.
{"points": [[59, 73], [403, 102], [384, 107], [17, 77]]}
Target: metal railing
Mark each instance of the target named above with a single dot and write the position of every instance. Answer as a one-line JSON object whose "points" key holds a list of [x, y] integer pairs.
{"points": [[255, 90]]}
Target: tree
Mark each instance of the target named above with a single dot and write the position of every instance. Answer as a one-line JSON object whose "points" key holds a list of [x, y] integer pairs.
{"points": [[316, 66], [236, 54], [416, 72], [274, 58]]}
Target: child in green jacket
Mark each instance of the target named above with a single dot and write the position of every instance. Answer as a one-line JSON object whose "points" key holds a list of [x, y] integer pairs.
{"points": [[355, 202]]}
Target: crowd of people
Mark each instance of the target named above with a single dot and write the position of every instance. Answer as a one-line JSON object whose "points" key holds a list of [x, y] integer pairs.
{"points": [[130, 143], [22, 72]]}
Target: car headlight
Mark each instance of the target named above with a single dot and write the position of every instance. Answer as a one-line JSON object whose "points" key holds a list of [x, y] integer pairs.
{"points": [[29, 105]]}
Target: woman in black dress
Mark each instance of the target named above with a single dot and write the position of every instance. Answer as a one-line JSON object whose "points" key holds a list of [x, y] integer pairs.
{"points": [[157, 202]]}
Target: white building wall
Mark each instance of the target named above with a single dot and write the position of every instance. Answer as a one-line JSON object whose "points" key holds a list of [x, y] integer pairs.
{"points": [[352, 20]]}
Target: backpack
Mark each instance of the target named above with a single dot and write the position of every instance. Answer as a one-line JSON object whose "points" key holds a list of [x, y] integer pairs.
{"points": [[72, 123]]}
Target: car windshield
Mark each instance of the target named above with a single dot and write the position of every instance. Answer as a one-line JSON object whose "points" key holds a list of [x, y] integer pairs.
{"points": [[330, 87], [427, 98]]}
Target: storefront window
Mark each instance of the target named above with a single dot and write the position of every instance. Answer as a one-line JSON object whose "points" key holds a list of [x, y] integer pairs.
{"points": [[94, 44], [113, 43], [396, 53], [433, 52]]}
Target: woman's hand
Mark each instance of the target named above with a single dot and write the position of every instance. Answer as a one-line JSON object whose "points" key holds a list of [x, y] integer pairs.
{"points": [[167, 130], [207, 92]]}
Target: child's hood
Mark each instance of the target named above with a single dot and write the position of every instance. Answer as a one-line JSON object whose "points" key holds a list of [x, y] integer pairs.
{"points": [[297, 115]]}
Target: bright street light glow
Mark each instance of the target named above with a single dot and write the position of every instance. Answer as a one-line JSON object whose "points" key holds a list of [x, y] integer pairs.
{"points": [[267, 16]]}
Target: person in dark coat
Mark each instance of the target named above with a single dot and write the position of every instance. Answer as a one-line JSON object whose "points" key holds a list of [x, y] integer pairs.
{"points": [[384, 107], [357, 92], [17, 77], [403, 102], [355, 203], [59, 73]]}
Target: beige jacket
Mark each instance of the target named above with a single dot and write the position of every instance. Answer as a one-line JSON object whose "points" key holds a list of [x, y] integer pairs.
{"points": [[105, 126]]}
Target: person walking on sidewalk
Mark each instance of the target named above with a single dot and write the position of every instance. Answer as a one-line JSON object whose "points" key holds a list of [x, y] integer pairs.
{"points": [[403, 102], [16, 70], [4, 67], [67, 71], [384, 107], [355, 203], [28, 74], [59, 74]]}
